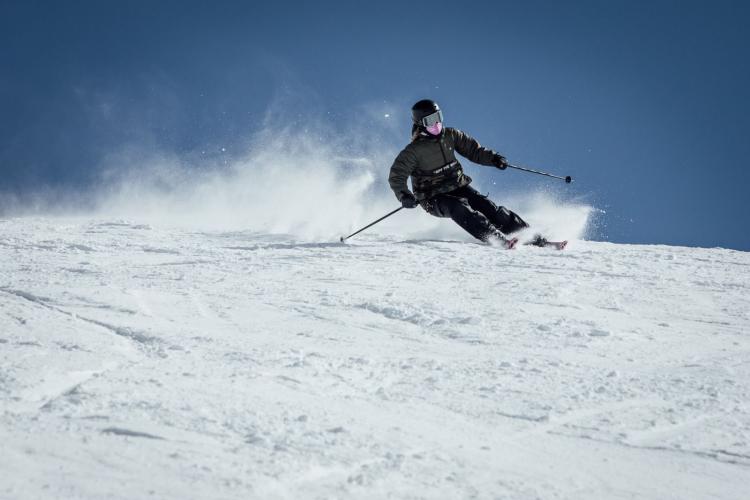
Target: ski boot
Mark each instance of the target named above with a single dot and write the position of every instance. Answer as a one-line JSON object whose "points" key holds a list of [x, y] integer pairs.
{"points": [[507, 243], [538, 241]]}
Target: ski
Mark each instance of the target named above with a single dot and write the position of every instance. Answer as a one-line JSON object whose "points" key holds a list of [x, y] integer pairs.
{"points": [[558, 245], [540, 241]]}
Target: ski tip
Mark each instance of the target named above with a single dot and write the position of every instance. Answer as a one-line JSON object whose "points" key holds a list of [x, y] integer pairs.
{"points": [[561, 245], [511, 243]]}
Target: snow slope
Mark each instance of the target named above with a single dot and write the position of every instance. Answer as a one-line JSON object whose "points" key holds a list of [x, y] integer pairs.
{"points": [[139, 360]]}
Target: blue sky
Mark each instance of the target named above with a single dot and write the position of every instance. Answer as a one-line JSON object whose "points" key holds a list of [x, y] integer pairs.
{"points": [[645, 104]]}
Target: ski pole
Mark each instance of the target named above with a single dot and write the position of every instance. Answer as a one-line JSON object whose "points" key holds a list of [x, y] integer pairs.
{"points": [[371, 224], [568, 179]]}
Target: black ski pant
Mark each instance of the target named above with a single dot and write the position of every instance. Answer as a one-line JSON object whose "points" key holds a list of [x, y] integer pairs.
{"points": [[474, 212]]}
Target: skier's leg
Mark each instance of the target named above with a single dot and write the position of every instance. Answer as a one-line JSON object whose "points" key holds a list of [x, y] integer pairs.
{"points": [[458, 209], [508, 221], [503, 219]]}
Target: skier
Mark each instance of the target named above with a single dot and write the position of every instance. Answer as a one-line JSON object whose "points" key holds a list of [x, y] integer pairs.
{"points": [[440, 185]]}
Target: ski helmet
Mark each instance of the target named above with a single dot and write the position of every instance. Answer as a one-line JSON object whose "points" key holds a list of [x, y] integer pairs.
{"points": [[426, 113]]}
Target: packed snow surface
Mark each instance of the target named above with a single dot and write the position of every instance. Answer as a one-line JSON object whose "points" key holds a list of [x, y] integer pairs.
{"points": [[140, 360]]}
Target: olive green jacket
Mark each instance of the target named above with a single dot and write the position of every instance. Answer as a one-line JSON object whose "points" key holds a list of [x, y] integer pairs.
{"points": [[431, 163]]}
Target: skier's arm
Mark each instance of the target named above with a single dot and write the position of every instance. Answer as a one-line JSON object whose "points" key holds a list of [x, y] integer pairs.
{"points": [[469, 147], [401, 169]]}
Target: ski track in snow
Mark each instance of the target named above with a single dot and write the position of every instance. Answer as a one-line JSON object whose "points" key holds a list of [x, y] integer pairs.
{"points": [[139, 361]]}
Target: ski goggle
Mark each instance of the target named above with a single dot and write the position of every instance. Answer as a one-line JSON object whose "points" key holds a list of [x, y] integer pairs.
{"points": [[430, 120]]}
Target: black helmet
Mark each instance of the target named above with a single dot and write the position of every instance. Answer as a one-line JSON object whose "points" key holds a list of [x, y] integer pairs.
{"points": [[424, 109]]}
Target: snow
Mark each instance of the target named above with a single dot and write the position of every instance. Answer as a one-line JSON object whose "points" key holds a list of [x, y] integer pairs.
{"points": [[141, 359]]}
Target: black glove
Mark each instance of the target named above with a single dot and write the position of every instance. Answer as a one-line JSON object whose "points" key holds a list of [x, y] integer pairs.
{"points": [[500, 162], [408, 200]]}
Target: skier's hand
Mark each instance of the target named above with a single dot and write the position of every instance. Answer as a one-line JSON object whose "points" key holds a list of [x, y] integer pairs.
{"points": [[500, 162], [408, 200]]}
